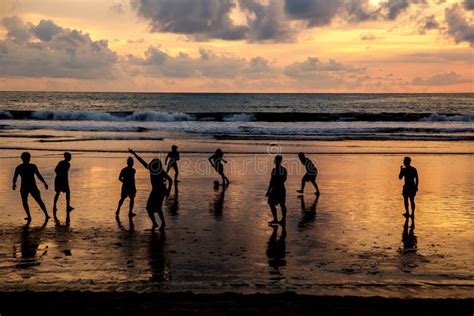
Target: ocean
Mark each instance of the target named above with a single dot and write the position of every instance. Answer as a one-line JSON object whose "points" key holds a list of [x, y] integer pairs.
{"points": [[247, 116]]}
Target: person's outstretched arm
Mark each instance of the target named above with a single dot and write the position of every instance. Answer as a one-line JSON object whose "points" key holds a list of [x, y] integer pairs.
{"points": [[143, 162], [40, 177], [15, 177]]}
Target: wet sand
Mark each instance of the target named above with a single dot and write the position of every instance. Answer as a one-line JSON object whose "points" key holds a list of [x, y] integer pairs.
{"points": [[219, 241]]}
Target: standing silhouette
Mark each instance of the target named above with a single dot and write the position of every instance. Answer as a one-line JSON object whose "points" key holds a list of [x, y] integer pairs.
{"points": [[27, 172], [311, 173], [411, 185], [171, 161], [127, 177], [61, 183], [158, 189], [276, 192], [216, 161]]}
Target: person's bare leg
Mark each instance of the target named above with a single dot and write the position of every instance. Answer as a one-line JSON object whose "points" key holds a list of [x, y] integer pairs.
{"points": [[26, 207], [130, 210], [117, 212], [55, 209], [405, 201], [412, 202], [151, 214], [274, 213], [316, 187], [303, 183], [162, 218], [176, 173], [68, 201], [40, 202], [283, 212]]}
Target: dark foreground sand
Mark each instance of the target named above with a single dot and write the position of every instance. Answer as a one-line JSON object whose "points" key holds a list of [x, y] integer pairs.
{"points": [[110, 303]]}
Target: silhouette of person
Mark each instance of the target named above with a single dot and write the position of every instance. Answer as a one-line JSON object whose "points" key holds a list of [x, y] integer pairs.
{"points": [[127, 177], [216, 161], [171, 161], [309, 215], [311, 173], [27, 172], [61, 183], [411, 185], [158, 189], [276, 192], [276, 249]]}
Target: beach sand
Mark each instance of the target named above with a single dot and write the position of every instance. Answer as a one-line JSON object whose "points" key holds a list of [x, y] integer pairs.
{"points": [[219, 241]]}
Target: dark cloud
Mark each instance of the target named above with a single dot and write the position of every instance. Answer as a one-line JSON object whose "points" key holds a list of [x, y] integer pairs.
{"points": [[469, 4], [48, 50], [267, 22], [202, 19], [444, 79], [428, 23], [459, 27], [158, 63], [314, 12]]}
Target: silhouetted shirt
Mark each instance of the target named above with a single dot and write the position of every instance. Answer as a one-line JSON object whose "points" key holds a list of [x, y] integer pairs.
{"points": [[173, 157], [278, 178], [409, 173], [62, 170], [127, 176], [27, 173], [310, 168]]}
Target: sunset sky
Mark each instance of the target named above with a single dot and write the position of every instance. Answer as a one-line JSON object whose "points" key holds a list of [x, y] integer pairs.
{"points": [[237, 45]]}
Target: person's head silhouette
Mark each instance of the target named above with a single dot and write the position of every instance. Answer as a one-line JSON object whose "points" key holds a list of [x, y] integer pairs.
{"points": [[156, 166], [67, 156], [130, 162], [407, 161], [26, 157], [278, 160], [174, 148], [219, 152]]}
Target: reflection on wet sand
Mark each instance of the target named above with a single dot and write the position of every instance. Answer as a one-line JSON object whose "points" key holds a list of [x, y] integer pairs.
{"points": [[309, 214], [410, 259], [62, 237], [159, 265], [30, 240], [128, 244], [172, 202], [217, 207], [276, 251]]}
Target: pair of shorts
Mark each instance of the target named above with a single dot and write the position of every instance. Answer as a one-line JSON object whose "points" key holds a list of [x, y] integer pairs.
{"points": [[155, 202], [309, 177], [277, 197], [128, 193], [61, 185], [409, 190]]}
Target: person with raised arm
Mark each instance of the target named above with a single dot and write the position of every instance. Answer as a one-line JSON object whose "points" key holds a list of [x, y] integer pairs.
{"points": [[158, 188], [27, 171]]}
